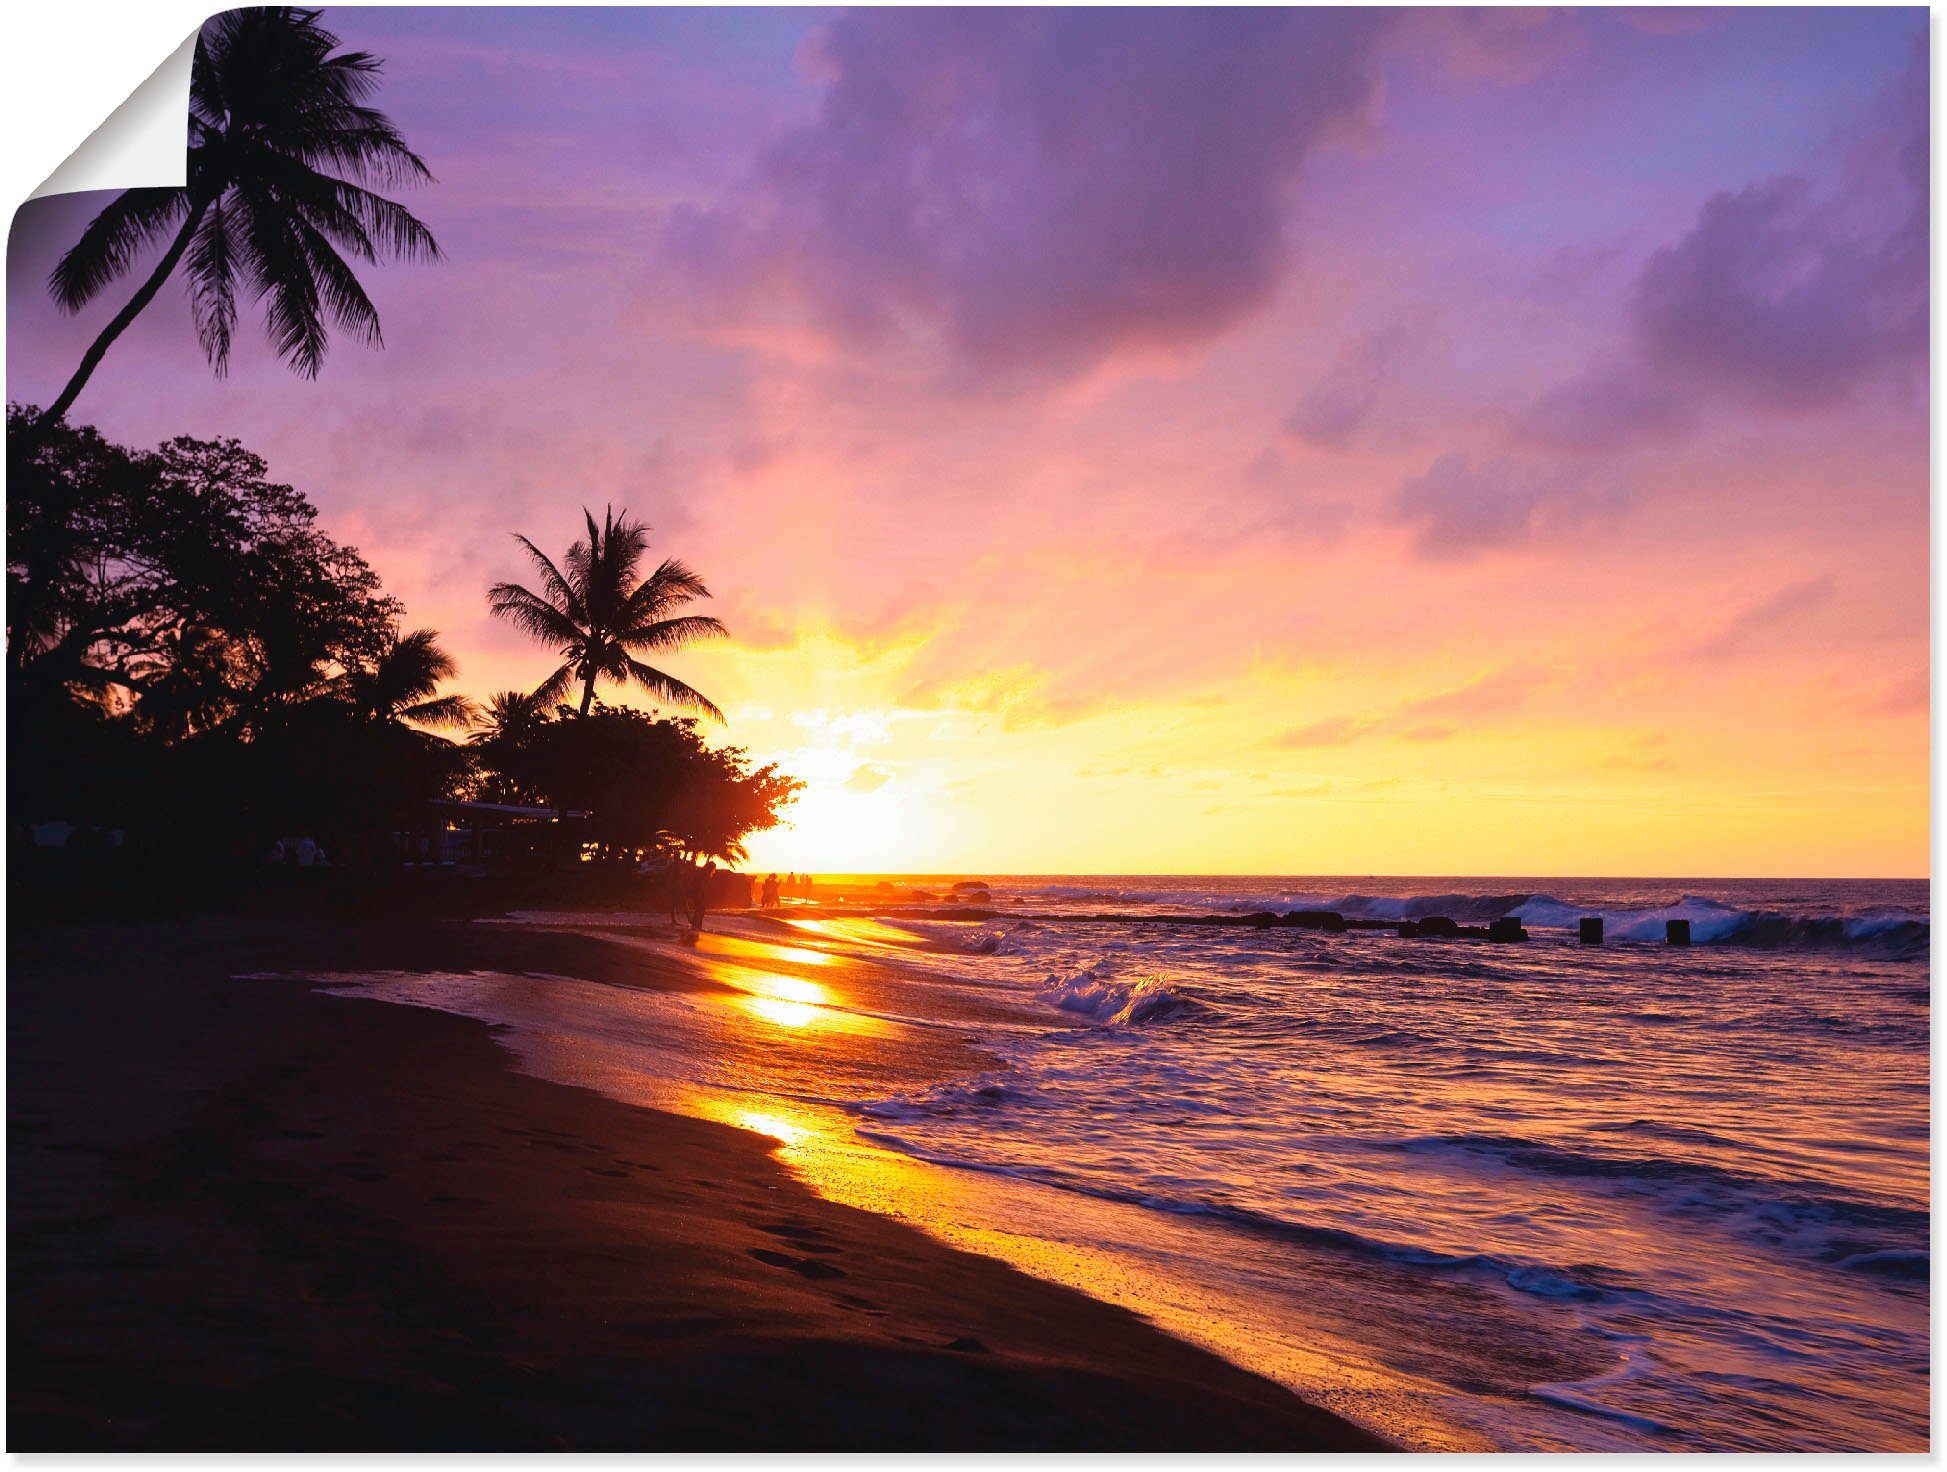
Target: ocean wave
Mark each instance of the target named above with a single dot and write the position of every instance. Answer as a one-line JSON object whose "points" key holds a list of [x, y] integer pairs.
{"points": [[1585, 1283], [1882, 929], [1096, 993], [1902, 1264], [1813, 1222]]}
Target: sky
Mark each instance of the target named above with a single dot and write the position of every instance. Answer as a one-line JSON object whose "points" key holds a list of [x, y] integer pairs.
{"points": [[1246, 441]]}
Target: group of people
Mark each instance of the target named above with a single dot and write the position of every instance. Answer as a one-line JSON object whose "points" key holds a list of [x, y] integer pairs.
{"points": [[297, 851], [796, 886]]}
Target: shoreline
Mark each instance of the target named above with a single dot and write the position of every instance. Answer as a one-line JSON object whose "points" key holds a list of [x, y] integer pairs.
{"points": [[246, 1215]]}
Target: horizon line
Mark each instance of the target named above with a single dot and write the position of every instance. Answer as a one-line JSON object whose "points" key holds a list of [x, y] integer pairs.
{"points": [[1297, 874]]}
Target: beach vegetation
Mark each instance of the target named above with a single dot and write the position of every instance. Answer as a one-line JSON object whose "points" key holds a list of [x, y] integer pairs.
{"points": [[648, 782], [193, 661], [400, 684], [598, 612]]}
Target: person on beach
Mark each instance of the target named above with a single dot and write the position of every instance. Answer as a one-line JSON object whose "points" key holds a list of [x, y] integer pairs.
{"points": [[770, 892], [700, 894]]}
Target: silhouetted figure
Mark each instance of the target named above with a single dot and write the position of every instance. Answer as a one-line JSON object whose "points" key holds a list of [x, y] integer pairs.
{"points": [[700, 894], [770, 892]]}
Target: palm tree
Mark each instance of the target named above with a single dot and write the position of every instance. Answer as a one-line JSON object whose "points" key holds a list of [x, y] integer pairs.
{"points": [[281, 147], [398, 685], [597, 612], [507, 716]]}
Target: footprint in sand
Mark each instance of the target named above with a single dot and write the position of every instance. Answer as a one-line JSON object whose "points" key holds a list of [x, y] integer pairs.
{"points": [[804, 1267], [798, 1234]]}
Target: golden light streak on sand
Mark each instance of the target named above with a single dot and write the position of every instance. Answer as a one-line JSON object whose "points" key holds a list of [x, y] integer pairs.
{"points": [[784, 1014], [737, 946]]}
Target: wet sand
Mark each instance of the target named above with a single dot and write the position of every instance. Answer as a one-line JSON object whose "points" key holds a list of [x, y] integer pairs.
{"points": [[244, 1215]]}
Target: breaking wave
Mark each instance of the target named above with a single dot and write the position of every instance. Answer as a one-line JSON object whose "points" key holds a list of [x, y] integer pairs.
{"points": [[1885, 930], [1095, 992]]}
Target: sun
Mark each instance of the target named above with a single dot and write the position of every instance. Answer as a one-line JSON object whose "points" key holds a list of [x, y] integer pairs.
{"points": [[836, 829]]}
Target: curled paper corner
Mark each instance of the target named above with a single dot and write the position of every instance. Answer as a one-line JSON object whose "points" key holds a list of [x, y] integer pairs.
{"points": [[144, 143]]}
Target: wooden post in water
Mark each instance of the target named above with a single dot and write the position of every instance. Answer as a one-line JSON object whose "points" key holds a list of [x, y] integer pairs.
{"points": [[1676, 932], [1591, 930]]}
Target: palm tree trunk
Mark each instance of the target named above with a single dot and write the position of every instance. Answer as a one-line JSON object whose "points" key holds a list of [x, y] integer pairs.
{"points": [[143, 296], [587, 694]]}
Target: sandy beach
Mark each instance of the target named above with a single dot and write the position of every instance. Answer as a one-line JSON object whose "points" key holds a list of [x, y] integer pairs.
{"points": [[247, 1215]]}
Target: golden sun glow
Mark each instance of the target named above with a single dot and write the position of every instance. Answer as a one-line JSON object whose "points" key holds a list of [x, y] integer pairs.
{"points": [[774, 1125], [836, 827]]}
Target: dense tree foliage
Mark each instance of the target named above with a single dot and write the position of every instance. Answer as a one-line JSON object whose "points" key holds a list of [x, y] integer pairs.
{"points": [[190, 656], [648, 782], [192, 660], [180, 585]]}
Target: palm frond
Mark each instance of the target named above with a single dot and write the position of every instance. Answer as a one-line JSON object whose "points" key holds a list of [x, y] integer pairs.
{"points": [[132, 221], [445, 711], [506, 713], [339, 288], [354, 217], [672, 633], [287, 287], [558, 590], [671, 690], [418, 657], [670, 585], [212, 266], [554, 689], [533, 615]]}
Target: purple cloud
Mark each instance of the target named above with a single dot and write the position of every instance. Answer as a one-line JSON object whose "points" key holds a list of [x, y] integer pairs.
{"points": [[1783, 300], [1460, 507], [1040, 189], [1336, 408], [1779, 297], [1606, 409]]}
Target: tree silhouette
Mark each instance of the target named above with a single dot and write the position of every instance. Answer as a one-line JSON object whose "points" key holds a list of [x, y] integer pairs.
{"points": [[281, 149], [597, 612], [508, 715], [399, 685]]}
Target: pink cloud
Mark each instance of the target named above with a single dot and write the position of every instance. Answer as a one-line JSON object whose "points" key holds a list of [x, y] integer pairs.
{"points": [[1756, 620]]}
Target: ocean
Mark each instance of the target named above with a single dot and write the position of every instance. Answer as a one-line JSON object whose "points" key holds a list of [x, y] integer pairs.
{"points": [[1520, 1196]]}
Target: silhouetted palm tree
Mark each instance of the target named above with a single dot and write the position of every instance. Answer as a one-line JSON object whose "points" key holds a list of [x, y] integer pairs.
{"points": [[281, 147], [399, 684], [598, 613], [507, 716]]}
